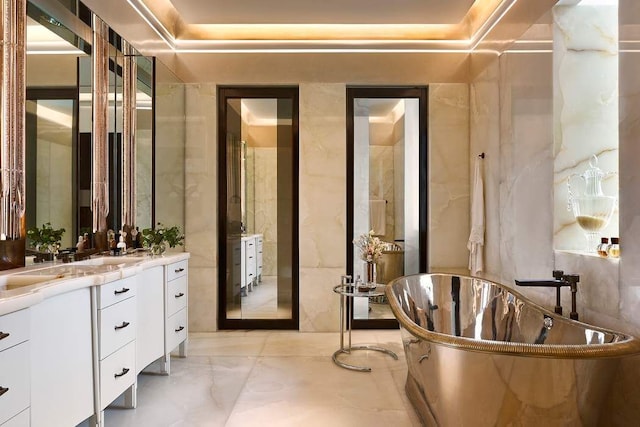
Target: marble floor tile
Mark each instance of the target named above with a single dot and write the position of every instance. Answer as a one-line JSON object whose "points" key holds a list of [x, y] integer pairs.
{"points": [[274, 378]]}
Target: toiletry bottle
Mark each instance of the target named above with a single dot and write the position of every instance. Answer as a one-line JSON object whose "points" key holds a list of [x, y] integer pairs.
{"points": [[603, 247], [80, 244], [122, 246], [359, 283], [134, 238], [614, 248]]}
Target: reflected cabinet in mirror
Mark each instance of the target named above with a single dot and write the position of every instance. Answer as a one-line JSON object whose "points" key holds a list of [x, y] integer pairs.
{"points": [[387, 193], [258, 146]]}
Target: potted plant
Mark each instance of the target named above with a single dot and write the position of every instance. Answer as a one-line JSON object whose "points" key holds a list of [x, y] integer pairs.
{"points": [[157, 239], [46, 239]]}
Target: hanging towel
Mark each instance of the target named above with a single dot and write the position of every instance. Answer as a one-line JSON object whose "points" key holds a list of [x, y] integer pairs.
{"points": [[378, 217], [476, 237]]}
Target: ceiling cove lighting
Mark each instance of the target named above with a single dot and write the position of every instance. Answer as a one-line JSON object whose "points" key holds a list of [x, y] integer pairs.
{"points": [[322, 46], [152, 21]]}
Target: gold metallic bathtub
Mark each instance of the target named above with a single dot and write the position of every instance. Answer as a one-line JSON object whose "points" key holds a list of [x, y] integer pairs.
{"points": [[480, 354]]}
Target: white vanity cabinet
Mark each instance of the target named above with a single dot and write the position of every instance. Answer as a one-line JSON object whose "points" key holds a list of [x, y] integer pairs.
{"points": [[151, 317], [176, 301], [62, 359], [14, 369], [250, 261], [117, 324], [259, 240]]}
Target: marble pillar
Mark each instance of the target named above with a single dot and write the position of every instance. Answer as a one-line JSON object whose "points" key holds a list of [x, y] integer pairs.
{"points": [[449, 183], [322, 203]]}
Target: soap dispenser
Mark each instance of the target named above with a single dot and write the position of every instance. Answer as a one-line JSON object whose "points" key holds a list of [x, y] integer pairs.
{"points": [[80, 244], [122, 246]]}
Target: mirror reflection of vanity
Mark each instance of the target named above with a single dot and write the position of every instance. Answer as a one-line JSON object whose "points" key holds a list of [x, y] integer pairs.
{"points": [[59, 126]]}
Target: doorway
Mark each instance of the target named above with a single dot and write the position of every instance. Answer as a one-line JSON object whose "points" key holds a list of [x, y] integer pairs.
{"points": [[386, 190], [258, 207]]}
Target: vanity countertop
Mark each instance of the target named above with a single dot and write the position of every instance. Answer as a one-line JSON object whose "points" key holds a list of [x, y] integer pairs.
{"points": [[23, 287]]}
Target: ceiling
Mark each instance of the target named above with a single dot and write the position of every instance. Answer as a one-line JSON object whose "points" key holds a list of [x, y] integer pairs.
{"points": [[322, 12], [335, 25]]}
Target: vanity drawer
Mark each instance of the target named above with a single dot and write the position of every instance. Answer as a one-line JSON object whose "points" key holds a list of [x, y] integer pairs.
{"points": [[14, 328], [20, 420], [119, 290], [117, 373], [117, 325], [14, 381], [176, 329], [176, 295], [177, 269]]}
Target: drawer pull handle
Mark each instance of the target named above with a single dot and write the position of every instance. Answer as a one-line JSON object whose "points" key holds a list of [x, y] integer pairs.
{"points": [[4, 335], [180, 328], [121, 291], [179, 295], [121, 374], [124, 325], [3, 390], [179, 270]]}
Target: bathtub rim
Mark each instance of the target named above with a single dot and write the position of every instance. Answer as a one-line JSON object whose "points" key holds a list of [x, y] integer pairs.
{"points": [[627, 346]]}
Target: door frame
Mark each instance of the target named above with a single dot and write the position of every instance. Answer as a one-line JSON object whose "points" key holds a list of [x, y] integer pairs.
{"points": [[421, 93], [230, 92]]}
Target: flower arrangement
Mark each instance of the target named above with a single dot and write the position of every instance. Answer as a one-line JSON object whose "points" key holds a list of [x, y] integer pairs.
{"points": [[46, 238], [157, 238], [370, 247]]}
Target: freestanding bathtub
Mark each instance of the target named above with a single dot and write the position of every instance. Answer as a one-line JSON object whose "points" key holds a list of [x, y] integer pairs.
{"points": [[480, 354]]}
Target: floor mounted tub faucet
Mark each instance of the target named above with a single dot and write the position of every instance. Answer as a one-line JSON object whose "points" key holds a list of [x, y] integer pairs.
{"points": [[559, 280]]}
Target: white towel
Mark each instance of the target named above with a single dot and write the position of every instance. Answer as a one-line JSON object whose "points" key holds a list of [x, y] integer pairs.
{"points": [[476, 237], [378, 217]]}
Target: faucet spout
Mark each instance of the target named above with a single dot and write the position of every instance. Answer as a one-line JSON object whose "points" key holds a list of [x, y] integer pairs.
{"points": [[559, 280], [542, 283]]}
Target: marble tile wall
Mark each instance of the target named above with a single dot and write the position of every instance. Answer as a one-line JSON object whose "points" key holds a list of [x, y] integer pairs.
{"points": [[322, 202], [448, 176], [266, 212], [322, 205], [144, 148], [170, 149], [512, 121], [201, 205], [54, 192], [585, 77], [381, 184]]}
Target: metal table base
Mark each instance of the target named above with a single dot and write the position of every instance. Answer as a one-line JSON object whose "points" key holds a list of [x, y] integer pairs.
{"points": [[348, 291]]}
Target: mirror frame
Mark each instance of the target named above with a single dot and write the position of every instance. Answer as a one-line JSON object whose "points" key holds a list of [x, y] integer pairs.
{"points": [[421, 93]]}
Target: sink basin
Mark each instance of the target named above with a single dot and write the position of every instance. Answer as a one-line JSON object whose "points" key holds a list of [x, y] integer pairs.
{"points": [[16, 281]]}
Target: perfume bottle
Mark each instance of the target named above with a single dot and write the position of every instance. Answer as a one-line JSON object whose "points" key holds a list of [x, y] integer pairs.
{"points": [[614, 248], [603, 247]]}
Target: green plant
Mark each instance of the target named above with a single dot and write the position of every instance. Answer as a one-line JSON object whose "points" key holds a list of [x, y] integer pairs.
{"points": [[161, 234], [46, 236]]}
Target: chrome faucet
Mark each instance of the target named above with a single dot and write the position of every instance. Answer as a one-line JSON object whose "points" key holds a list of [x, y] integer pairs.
{"points": [[559, 280]]}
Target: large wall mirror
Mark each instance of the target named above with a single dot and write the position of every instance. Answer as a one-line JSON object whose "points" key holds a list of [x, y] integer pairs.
{"points": [[58, 112], [59, 124], [258, 208], [387, 192]]}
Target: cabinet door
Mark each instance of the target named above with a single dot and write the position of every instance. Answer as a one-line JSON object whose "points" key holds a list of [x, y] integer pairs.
{"points": [[62, 360], [14, 381], [150, 333]]}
